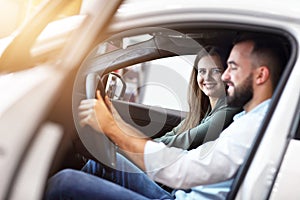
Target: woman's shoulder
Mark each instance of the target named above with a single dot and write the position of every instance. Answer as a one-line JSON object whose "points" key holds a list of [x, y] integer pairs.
{"points": [[225, 110], [222, 105], [233, 109]]}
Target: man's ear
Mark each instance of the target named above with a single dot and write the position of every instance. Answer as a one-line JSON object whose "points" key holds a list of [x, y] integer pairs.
{"points": [[263, 74]]}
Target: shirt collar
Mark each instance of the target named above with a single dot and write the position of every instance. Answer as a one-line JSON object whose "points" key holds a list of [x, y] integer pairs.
{"points": [[262, 107]]}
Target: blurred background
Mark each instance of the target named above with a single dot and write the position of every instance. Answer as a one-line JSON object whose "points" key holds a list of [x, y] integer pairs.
{"points": [[13, 13]]}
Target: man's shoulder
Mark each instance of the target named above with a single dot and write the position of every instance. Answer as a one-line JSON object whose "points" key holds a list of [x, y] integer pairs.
{"points": [[261, 110]]}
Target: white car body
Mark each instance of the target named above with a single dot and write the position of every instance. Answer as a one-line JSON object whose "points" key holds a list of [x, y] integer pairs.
{"points": [[28, 139]]}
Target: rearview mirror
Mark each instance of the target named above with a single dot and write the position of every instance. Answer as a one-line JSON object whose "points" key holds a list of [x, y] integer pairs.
{"points": [[115, 86]]}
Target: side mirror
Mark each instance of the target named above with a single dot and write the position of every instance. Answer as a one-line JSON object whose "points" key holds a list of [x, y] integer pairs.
{"points": [[115, 86]]}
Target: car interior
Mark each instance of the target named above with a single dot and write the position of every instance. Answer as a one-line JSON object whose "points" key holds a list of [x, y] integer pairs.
{"points": [[102, 68]]}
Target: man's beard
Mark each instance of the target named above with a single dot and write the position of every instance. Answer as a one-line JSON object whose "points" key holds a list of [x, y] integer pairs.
{"points": [[242, 94]]}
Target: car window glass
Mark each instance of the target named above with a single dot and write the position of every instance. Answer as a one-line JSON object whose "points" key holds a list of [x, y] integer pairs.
{"points": [[162, 82]]}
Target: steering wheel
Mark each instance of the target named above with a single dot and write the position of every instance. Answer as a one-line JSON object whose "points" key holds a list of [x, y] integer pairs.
{"points": [[98, 145]]}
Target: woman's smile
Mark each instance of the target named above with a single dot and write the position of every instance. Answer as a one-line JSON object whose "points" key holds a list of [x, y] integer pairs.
{"points": [[209, 85]]}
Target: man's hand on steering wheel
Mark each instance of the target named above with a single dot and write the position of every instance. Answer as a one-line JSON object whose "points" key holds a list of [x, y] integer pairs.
{"points": [[96, 113]]}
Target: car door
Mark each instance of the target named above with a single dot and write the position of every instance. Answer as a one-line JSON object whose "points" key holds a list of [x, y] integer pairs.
{"points": [[29, 137]]}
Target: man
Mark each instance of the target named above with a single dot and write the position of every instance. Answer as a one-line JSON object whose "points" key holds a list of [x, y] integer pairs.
{"points": [[254, 67]]}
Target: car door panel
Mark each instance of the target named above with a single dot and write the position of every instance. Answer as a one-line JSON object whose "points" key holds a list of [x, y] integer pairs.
{"points": [[152, 121]]}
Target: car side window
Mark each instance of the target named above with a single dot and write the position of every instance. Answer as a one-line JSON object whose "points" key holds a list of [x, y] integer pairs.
{"points": [[162, 82]]}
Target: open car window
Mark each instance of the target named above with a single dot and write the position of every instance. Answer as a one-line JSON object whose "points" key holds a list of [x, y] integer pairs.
{"points": [[162, 82]]}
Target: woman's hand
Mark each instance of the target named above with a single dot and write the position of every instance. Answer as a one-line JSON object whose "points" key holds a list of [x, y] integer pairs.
{"points": [[95, 113]]}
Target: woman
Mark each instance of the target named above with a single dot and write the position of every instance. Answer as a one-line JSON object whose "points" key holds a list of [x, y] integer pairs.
{"points": [[208, 112], [208, 116]]}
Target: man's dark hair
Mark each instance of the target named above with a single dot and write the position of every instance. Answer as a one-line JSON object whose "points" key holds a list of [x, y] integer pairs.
{"points": [[269, 50]]}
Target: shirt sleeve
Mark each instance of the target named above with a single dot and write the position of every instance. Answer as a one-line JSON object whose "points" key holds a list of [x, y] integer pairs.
{"points": [[169, 135], [211, 162]]}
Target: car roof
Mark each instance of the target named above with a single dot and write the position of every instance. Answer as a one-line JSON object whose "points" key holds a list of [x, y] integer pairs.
{"points": [[289, 8], [135, 13]]}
